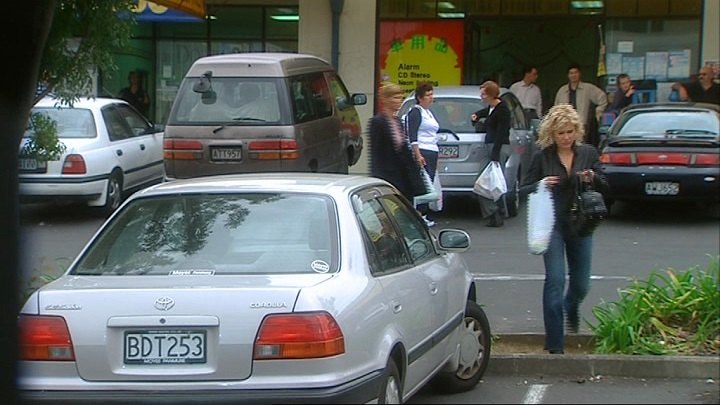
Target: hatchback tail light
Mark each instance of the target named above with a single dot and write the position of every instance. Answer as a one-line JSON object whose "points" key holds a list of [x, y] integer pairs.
{"points": [[74, 164], [44, 338], [276, 149], [181, 149], [706, 159], [619, 159], [298, 336], [661, 158]]}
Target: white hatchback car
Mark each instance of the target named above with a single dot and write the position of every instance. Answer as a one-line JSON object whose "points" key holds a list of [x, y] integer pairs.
{"points": [[259, 288], [111, 149]]}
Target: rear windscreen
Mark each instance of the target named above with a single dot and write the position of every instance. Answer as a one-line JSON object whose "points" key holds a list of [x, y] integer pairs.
{"points": [[227, 100]]}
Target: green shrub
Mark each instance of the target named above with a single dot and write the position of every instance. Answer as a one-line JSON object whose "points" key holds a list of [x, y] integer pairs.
{"points": [[45, 274], [670, 313]]}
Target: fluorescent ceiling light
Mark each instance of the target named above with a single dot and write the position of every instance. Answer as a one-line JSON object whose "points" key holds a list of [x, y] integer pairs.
{"points": [[285, 17], [446, 5], [451, 15], [586, 4]]}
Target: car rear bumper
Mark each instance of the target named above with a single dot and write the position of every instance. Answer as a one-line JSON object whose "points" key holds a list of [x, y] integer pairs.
{"points": [[695, 184], [77, 189], [360, 390]]}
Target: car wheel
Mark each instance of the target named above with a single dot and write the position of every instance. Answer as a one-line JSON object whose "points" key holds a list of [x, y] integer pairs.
{"points": [[114, 193], [475, 342], [608, 204], [512, 200], [391, 388]]}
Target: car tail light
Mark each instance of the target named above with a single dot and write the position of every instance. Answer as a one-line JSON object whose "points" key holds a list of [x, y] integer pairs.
{"points": [[662, 158], [44, 338], [273, 149], [182, 149], [74, 164], [298, 336], [706, 159], [616, 158]]}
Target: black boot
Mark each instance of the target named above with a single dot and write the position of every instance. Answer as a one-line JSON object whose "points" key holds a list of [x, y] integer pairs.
{"points": [[496, 220]]}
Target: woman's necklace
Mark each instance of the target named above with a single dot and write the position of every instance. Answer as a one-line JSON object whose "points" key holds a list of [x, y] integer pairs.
{"points": [[566, 159]]}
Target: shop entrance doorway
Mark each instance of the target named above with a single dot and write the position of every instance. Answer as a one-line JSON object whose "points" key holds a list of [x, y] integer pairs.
{"points": [[497, 49]]}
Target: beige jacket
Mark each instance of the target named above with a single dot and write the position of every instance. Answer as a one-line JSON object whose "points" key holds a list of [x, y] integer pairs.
{"points": [[586, 94]]}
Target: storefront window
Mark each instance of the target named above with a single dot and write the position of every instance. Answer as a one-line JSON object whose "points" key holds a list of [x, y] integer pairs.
{"points": [[658, 52], [236, 23], [174, 58]]}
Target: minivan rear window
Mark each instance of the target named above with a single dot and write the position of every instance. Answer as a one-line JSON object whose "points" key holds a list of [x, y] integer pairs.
{"points": [[229, 100]]}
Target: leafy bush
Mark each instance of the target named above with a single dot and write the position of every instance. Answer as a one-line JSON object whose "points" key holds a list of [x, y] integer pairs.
{"points": [[46, 273], [670, 313]]}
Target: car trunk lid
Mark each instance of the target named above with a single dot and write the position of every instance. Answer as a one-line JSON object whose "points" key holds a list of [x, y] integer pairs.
{"points": [[138, 330]]}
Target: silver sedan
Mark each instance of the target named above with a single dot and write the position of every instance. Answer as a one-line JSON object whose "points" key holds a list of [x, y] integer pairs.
{"points": [[285, 287]]}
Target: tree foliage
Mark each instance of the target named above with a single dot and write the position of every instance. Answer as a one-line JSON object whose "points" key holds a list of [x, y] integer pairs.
{"points": [[83, 37]]}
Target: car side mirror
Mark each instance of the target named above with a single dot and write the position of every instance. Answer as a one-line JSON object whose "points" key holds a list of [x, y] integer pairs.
{"points": [[535, 124], [359, 99]]}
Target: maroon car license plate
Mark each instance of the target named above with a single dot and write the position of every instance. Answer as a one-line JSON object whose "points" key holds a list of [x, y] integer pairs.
{"points": [[662, 188], [165, 347]]}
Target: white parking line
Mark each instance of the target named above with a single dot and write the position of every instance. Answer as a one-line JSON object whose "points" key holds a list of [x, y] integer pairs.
{"points": [[535, 394], [536, 277]]}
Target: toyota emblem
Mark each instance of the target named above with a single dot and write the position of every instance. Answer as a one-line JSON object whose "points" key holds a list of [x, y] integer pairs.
{"points": [[164, 303]]}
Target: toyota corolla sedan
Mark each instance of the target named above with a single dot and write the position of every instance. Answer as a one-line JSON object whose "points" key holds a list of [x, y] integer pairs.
{"points": [[463, 151], [260, 288], [664, 152], [110, 151]]}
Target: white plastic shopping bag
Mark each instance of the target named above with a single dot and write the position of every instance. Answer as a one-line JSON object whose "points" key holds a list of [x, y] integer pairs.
{"points": [[491, 182], [541, 219], [431, 194], [437, 205]]}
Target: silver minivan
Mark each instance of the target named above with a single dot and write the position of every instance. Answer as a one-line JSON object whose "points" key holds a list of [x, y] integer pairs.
{"points": [[262, 112]]}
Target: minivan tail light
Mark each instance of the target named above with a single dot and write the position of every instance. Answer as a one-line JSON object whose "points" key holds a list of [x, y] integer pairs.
{"points": [[44, 338], [74, 164], [619, 159], [274, 149], [181, 149], [298, 336]]}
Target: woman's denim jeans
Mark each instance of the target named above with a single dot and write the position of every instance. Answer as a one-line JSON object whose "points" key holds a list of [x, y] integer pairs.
{"points": [[579, 258]]}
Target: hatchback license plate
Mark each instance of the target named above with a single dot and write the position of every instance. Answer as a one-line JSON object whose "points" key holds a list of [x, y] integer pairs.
{"points": [[226, 154], [449, 151], [662, 188], [165, 347]]}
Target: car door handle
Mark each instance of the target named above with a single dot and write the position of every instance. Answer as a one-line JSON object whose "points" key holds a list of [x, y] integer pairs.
{"points": [[119, 152], [142, 146], [396, 306], [433, 288]]}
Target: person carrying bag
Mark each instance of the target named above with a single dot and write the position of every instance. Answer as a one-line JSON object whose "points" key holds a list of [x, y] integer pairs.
{"points": [[562, 161]]}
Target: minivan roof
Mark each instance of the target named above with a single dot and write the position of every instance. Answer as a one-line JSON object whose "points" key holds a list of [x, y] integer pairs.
{"points": [[258, 65]]}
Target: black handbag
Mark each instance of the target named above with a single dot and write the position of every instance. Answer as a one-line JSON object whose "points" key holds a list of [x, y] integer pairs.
{"points": [[588, 209]]}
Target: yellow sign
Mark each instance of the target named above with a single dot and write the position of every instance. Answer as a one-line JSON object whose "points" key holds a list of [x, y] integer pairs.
{"points": [[421, 58]]}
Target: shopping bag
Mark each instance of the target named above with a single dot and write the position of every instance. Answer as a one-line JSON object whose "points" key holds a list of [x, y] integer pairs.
{"points": [[430, 192], [437, 205], [540, 219], [491, 182]]}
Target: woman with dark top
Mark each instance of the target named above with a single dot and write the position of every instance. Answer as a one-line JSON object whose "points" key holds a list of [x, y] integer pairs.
{"points": [[561, 162], [497, 133], [135, 94], [390, 156]]}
